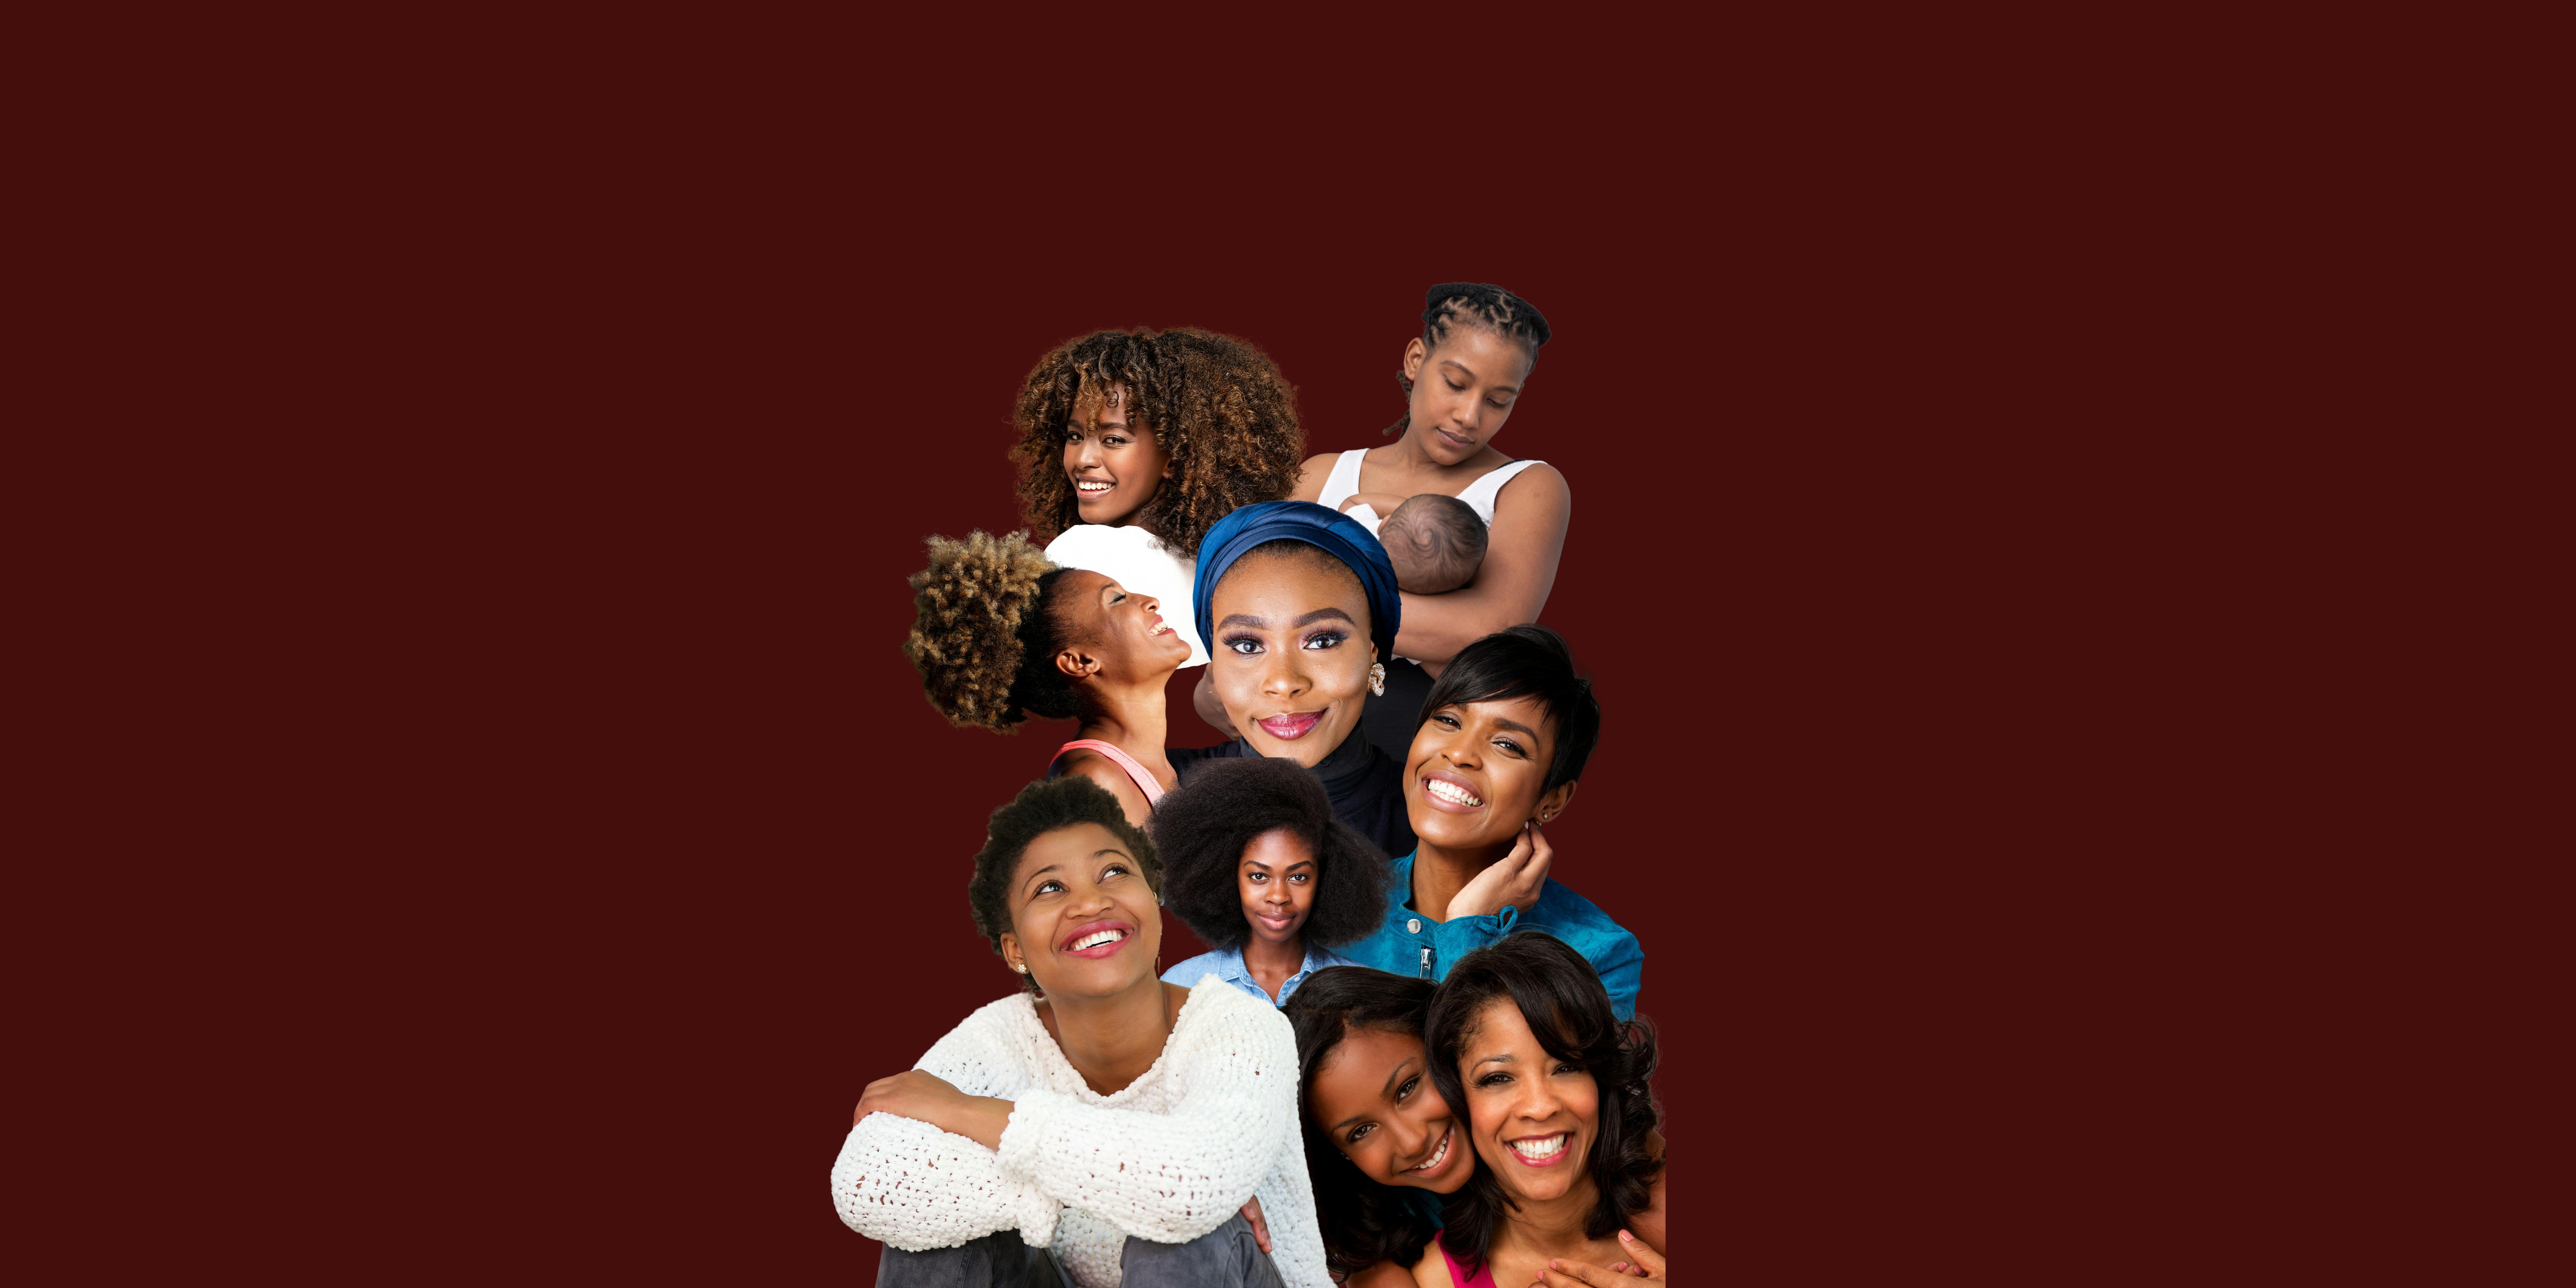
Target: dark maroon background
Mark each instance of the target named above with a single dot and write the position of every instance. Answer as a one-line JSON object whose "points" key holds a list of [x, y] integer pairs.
{"points": [[1630, 842], [567, 841]]}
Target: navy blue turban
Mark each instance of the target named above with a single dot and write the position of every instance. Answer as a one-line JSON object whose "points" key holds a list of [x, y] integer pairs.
{"points": [[1335, 534]]}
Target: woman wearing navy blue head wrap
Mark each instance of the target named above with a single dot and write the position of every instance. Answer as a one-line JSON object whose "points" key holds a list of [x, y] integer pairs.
{"points": [[1297, 607]]}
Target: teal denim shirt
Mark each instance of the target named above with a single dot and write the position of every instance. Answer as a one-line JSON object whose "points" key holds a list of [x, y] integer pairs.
{"points": [[1412, 944]]}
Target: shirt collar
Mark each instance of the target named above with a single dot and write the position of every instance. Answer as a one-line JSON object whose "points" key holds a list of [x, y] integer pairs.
{"points": [[1230, 964]]}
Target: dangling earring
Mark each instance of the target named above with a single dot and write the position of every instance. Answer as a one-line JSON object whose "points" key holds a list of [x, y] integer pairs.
{"points": [[1377, 678]]}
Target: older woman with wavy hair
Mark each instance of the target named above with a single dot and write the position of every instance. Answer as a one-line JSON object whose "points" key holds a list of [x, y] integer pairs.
{"points": [[1523, 1045]]}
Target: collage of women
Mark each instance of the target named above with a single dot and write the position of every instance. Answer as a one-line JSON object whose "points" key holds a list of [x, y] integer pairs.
{"points": [[1412, 1055]]}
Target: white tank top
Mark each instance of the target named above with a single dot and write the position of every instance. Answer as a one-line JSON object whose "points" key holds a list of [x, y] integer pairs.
{"points": [[1479, 495]]}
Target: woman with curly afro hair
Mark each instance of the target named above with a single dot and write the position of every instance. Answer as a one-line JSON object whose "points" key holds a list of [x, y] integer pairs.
{"points": [[1257, 865], [1134, 443], [1002, 634]]}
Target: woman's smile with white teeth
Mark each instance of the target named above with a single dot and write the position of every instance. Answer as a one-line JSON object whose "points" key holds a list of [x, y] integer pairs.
{"points": [[1538, 1147], [1093, 486], [1438, 1155], [1097, 938], [1451, 792]]}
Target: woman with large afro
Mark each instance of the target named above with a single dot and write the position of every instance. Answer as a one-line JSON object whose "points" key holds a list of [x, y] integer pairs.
{"points": [[1134, 443], [1259, 868], [1003, 634]]}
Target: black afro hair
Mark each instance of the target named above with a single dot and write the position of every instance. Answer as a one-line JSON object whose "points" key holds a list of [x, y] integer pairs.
{"points": [[1203, 827], [1041, 808]]}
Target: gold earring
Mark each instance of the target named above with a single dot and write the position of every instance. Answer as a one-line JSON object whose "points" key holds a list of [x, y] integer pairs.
{"points": [[1377, 678]]}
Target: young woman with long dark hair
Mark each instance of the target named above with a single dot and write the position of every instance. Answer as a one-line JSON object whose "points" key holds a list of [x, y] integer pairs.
{"points": [[1381, 1145]]}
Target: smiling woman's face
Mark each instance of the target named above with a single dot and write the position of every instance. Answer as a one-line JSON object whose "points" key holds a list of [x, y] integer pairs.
{"points": [[1372, 1097], [1123, 633], [1292, 654], [1532, 1115], [1083, 917], [1114, 461], [1475, 771]]}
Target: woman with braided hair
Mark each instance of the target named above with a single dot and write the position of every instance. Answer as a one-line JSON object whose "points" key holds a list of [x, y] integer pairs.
{"points": [[1462, 377], [1134, 443], [1002, 634]]}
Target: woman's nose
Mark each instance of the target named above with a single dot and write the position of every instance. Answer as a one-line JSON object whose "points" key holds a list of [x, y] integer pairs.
{"points": [[1086, 452], [1285, 677]]}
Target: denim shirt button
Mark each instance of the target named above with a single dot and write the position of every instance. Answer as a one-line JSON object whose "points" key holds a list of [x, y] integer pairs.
{"points": [[1413, 925]]}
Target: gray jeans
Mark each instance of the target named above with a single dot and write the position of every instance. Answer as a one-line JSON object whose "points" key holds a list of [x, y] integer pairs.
{"points": [[1226, 1257]]}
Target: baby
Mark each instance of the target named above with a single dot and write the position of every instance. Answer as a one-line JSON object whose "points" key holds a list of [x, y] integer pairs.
{"points": [[1435, 542]]}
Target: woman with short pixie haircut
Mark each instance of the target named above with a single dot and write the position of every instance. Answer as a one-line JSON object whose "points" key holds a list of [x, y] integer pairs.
{"points": [[1002, 635], [1553, 1091], [989, 1163], [1257, 865], [1502, 743]]}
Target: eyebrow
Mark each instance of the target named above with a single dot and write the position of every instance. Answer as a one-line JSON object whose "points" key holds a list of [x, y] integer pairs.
{"points": [[1302, 619], [1301, 863], [1388, 1091], [1504, 1058], [1515, 724], [1471, 375], [1052, 866]]}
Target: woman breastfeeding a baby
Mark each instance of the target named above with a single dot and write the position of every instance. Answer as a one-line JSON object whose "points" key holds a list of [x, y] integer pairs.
{"points": [[1475, 535]]}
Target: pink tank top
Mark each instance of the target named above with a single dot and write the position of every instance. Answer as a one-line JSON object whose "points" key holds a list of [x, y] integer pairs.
{"points": [[1484, 1277], [1144, 780]]}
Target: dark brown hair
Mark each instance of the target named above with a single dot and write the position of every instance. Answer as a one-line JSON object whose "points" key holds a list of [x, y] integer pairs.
{"points": [[1364, 1222], [1216, 404], [1568, 1010]]}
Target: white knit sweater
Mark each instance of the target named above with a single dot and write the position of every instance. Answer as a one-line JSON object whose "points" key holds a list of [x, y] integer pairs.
{"points": [[1168, 1158]]}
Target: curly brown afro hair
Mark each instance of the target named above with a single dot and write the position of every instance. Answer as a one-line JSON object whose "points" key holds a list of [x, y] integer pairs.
{"points": [[1203, 827], [1216, 404], [985, 638], [1040, 808]]}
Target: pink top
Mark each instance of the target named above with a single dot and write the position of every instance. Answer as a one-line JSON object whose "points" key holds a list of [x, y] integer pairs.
{"points": [[1484, 1277], [1144, 780]]}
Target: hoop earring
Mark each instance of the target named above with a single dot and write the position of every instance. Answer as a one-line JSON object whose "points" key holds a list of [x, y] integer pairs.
{"points": [[1377, 678]]}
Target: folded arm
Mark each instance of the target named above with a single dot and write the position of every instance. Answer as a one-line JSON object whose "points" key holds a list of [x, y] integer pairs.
{"points": [[1175, 1176], [1521, 553], [915, 1185]]}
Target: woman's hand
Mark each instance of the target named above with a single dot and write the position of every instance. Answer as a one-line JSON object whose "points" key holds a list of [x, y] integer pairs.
{"points": [[1516, 880], [925, 1097], [1260, 1228], [1647, 1267]]}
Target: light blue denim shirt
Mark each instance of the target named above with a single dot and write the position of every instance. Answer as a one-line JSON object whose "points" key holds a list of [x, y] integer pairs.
{"points": [[1412, 944], [1227, 964]]}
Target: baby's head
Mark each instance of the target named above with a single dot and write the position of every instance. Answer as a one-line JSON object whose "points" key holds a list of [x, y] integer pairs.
{"points": [[1435, 543]]}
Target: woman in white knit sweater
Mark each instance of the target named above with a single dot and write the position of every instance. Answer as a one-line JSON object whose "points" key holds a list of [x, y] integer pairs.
{"points": [[1107, 1128]]}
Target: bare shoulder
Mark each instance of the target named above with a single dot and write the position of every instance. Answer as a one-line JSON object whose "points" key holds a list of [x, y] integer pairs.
{"points": [[1109, 774], [1385, 1274], [1310, 478], [1540, 482], [1432, 1271]]}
